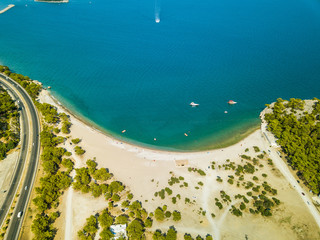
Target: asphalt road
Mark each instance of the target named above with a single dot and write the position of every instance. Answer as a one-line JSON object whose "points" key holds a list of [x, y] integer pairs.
{"points": [[30, 146]]}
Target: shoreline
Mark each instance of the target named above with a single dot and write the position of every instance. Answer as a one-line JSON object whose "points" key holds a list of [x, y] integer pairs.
{"points": [[144, 152], [7, 8], [145, 171], [228, 140], [64, 1]]}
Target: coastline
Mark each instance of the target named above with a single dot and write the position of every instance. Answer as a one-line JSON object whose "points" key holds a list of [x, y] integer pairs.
{"points": [[144, 171], [207, 144], [64, 1]]}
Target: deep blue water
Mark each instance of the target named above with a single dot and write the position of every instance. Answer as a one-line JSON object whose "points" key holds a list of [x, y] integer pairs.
{"points": [[110, 62]]}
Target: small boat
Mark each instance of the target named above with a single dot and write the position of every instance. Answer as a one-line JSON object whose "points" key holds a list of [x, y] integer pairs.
{"points": [[154, 139], [123, 131], [231, 102], [225, 111], [186, 134], [193, 104]]}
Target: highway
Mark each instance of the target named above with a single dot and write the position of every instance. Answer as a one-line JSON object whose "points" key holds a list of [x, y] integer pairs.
{"points": [[30, 148]]}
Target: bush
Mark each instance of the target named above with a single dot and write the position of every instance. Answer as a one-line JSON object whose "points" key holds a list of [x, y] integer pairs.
{"points": [[159, 214], [162, 194], [130, 196], [256, 149], [122, 219], [75, 140], [115, 197], [148, 223], [245, 157], [125, 204], [167, 214], [187, 236], [209, 237], [79, 151], [176, 215], [261, 156], [168, 190]]}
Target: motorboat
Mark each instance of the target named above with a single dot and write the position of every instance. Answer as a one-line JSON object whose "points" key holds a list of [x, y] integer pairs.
{"points": [[231, 102], [193, 104]]}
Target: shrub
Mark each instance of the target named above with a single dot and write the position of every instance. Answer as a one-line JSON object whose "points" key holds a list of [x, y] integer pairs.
{"points": [[167, 214], [148, 222], [159, 214], [79, 151], [122, 219], [130, 196], [75, 140], [168, 190], [256, 149]]}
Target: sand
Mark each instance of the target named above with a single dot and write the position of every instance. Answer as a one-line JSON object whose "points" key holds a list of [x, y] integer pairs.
{"points": [[145, 171]]}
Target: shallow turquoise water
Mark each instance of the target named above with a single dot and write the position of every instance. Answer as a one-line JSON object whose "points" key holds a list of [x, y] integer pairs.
{"points": [[110, 62]]}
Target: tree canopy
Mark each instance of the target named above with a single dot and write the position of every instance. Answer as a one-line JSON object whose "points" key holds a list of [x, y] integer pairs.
{"points": [[298, 133]]}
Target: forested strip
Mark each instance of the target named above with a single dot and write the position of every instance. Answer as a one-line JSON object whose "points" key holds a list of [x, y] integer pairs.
{"points": [[51, 185], [9, 124], [54, 181], [298, 131], [9, 117]]}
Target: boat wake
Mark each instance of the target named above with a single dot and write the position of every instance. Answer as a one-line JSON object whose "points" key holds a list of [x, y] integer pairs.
{"points": [[157, 10]]}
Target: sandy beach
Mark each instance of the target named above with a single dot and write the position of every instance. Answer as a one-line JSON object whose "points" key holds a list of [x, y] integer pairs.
{"points": [[145, 171]]}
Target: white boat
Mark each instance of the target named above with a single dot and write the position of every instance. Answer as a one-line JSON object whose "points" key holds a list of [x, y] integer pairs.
{"points": [[231, 102], [193, 104]]}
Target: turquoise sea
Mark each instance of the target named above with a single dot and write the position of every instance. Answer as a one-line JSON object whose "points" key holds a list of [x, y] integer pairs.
{"points": [[111, 63]]}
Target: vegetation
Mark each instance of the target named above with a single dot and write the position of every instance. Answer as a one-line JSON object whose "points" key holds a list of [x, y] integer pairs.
{"points": [[176, 215], [30, 86], [159, 214], [299, 137], [78, 150], [9, 124], [199, 171], [75, 140], [52, 183], [90, 229]]}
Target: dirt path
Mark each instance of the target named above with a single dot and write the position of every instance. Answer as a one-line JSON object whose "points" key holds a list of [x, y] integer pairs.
{"points": [[68, 229], [282, 166]]}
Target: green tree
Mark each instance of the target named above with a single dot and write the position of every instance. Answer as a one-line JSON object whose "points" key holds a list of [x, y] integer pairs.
{"points": [[171, 234], [159, 214], [78, 150], [105, 219], [42, 228], [135, 229], [75, 140], [148, 222], [176, 215], [106, 234], [157, 235], [187, 236], [122, 219]]}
